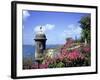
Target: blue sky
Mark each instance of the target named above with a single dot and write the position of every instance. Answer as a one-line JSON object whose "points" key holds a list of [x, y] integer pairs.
{"points": [[56, 25]]}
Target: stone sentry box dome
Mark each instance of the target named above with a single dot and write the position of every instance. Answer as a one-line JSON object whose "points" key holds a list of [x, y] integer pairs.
{"points": [[40, 36], [40, 44]]}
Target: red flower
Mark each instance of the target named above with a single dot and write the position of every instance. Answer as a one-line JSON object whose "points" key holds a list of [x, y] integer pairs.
{"points": [[41, 66], [74, 55], [86, 49]]}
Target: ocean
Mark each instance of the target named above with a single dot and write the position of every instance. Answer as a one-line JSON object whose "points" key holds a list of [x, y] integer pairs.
{"points": [[29, 50]]}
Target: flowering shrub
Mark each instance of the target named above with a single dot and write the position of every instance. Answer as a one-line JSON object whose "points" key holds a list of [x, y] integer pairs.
{"points": [[74, 57], [86, 49], [67, 58], [41, 66], [75, 54]]}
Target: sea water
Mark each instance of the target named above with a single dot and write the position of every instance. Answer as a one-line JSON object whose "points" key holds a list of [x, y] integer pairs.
{"points": [[29, 50]]}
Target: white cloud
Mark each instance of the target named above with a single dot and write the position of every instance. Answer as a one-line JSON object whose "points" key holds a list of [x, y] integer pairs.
{"points": [[49, 26], [72, 31], [25, 14], [44, 27]]}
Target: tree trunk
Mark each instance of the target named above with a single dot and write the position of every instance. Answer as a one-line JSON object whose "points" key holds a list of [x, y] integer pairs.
{"points": [[85, 41]]}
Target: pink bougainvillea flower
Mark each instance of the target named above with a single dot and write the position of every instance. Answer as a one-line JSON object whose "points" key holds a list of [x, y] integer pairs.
{"points": [[41, 66], [87, 49], [74, 54]]}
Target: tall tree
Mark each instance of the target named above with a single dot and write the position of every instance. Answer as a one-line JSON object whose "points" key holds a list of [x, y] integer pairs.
{"points": [[85, 24]]}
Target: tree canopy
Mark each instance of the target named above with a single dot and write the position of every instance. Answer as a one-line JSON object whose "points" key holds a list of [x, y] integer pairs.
{"points": [[85, 24]]}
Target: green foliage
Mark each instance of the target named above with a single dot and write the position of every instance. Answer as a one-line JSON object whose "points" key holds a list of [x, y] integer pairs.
{"points": [[60, 64], [57, 65], [86, 26], [85, 22], [53, 65]]}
